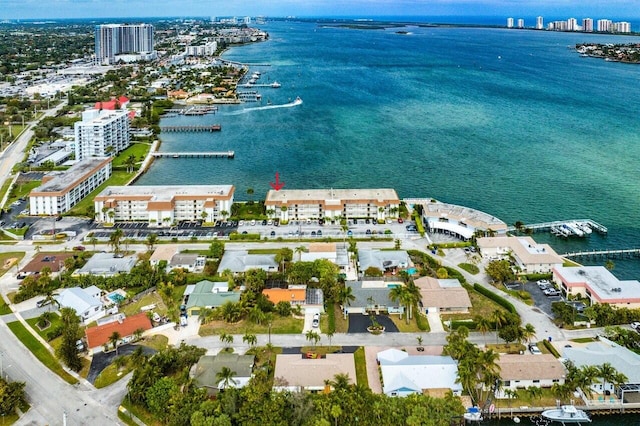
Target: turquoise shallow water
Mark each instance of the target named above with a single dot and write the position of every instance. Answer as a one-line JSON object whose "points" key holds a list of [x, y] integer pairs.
{"points": [[510, 122]]}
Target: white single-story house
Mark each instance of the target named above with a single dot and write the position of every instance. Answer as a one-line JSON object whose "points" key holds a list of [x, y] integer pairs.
{"points": [[187, 261], [523, 371], [240, 261], [205, 371], [384, 260], [107, 264], [85, 301], [404, 374], [164, 252], [372, 295]]}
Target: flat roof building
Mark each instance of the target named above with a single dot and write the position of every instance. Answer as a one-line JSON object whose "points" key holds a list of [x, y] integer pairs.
{"points": [[163, 205], [61, 191], [598, 284], [459, 221], [333, 203], [102, 133], [530, 257]]}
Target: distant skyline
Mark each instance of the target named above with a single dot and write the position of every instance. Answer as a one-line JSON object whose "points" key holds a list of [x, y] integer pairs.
{"points": [[59, 9]]}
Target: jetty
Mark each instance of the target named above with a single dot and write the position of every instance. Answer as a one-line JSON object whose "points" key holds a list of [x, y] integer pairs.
{"points": [[212, 128], [615, 254], [566, 228], [195, 154], [196, 110], [274, 85]]}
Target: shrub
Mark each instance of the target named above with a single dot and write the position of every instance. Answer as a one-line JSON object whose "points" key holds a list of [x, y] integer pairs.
{"points": [[547, 344], [283, 308], [469, 267], [495, 297]]}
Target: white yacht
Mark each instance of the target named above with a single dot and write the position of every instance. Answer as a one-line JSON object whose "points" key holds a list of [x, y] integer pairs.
{"points": [[566, 414]]}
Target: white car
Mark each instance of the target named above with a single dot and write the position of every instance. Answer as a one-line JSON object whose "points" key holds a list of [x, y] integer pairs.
{"points": [[543, 283], [636, 326], [316, 321], [533, 348]]}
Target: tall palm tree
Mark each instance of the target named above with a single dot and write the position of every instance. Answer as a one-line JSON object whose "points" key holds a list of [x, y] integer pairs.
{"points": [[346, 297], [312, 336], [114, 239], [227, 339], [399, 294], [251, 339], [528, 332], [340, 382], [113, 339], [483, 325], [225, 377], [607, 373], [499, 318], [152, 239], [413, 294]]}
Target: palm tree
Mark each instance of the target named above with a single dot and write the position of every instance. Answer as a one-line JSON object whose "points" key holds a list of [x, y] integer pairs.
{"points": [[114, 239], [130, 163], [152, 239], [483, 325], [346, 296], [499, 318], [399, 294], [227, 339], [607, 373], [340, 382], [329, 336], [585, 378], [225, 377], [534, 392], [251, 339], [312, 336], [93, 241], [413, 295], [113, 339], [528, 332], [300, 249], [561, 391]]}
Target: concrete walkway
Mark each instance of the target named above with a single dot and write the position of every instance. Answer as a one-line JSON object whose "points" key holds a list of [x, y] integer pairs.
{"points": [[435, 322]]}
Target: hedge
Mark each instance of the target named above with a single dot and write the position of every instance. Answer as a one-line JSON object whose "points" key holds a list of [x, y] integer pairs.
{"points": [[471, 325], [423, 322], [331, 314], [547, 344], [496, 298]]}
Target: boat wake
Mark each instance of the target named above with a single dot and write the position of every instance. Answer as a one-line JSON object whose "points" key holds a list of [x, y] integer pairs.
{"points": [[295, 103]]}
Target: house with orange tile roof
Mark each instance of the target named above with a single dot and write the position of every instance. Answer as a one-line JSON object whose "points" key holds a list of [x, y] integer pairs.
{"points": [[295, 294], [99, 335], [113, 104]]}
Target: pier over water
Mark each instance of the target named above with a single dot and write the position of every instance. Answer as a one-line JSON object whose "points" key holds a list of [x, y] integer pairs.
{"points": [[212, 128], [202, 154]]}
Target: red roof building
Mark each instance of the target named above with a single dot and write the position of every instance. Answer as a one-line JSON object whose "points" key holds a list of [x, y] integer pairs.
{"points": [[99, 335], [113, 104]]}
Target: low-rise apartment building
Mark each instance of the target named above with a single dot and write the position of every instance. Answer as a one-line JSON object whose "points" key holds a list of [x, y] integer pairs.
{"points": [[162, 206], [597, 284], [530, 257], [60, 191], [294, 204]]}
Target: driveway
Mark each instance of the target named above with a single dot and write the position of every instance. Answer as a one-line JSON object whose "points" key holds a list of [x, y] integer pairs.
{"points": [[102, 360], [358, 323], [308, 319], [541, 301]]}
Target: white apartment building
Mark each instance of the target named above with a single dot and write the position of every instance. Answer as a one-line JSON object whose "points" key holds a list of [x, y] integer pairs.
{"points": [[539, 23], [101, 133], [520, 23], [116, 39], [206, 49], [332, 203], [161, 206], [622, 27], [605, 25], [509, 22], [59, 192], [587, 25], [572, 24]]}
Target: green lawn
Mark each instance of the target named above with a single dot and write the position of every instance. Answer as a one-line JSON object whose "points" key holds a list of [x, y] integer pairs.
{"points": [[148, 299], [361, 367], [469, 267], [40, 351], [481, 305], [118, 178], [8, 260], [342, 324], [402, 325], [4, 308], [157, 342], [54, 322], [280, 325], [5, 187], [112, 374], [138, 150], [22, 190], [583, 340]]}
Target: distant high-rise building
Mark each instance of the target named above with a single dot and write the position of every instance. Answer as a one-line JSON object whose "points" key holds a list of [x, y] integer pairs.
{"points": [[604, 25], [572, 24], [247, 20], [520, 23], [539, 23], [115, 39], [622, 27], [587, 25], [509, 22]]}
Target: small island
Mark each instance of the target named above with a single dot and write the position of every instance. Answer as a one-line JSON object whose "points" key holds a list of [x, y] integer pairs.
{"points": [[628, 53]]}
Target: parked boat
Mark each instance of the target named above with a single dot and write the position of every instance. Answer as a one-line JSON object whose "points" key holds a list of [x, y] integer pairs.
{"points": [[566, 414], [473, 414], [276, 85], [584, 226]]}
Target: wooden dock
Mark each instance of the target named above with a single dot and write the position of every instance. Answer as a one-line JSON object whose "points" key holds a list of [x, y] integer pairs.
{"points": [[203, 154], [212, 128], [614, 254]]}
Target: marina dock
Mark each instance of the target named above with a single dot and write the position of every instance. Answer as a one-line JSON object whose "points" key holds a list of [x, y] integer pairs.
{"points": [[615, 254], [566, 228], [212, 128], [204, 154]]}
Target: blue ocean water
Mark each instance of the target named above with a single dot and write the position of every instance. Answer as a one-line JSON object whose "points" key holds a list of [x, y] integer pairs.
{"points": [[514, 123]]}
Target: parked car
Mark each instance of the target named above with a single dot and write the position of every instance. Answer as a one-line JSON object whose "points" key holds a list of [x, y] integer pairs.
{"points": [[551, 292], [543, 283], [636, 326], [533, 348], [273, 233], [79, 248], [316, 320]]}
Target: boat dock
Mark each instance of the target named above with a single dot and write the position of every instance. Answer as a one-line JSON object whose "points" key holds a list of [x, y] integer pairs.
{"points": [[615, 254], [202, 154], [274, 85], [566, 228], [196, 110], [212, 128]]}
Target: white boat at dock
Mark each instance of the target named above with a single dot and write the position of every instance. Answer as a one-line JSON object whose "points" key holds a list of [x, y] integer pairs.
{"points": [[276, 85], [573, 227], [584, 226], [566, 414], [473, 415]]}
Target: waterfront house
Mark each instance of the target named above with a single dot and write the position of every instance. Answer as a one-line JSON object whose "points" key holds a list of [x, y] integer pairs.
{"points": [[529, 256], [205, 371], [523, 371], [296, 372], [404, 374]]}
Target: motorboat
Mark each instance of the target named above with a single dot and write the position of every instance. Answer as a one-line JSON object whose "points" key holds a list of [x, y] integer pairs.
{"points": [[473, 414], [566, 414], [276, 85]]}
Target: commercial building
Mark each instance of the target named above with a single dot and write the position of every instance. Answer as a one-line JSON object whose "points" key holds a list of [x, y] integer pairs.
{"points": [[206, 49], [459, 221], [529, 256], [61, 191], [101, 133], [163, 205], [597, 284], [112, 40], [333, 203]]}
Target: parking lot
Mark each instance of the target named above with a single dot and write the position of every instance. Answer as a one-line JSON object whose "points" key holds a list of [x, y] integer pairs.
{"points": [[541, 301]]}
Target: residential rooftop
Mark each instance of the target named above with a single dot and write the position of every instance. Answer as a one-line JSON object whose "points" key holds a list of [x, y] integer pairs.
{"points": [[475, 218], [530, 367], [65, 180], [525, 248], [337, 195], [602, 283], [166, 192]]}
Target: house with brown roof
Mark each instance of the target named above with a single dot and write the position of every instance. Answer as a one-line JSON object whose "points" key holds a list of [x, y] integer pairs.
{"points": [[335, 253], [294, 294], [523, 371], [99, 335], [443, 295], [295, 373]]}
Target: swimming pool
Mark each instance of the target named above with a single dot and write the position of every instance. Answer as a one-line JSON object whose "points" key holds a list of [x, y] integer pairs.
{"points": [[115, 297], [412, 271]]}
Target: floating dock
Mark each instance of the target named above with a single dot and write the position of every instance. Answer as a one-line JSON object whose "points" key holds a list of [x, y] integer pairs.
{"points": [[566, 228], [204, 154], [615, 254], [213, 128]]}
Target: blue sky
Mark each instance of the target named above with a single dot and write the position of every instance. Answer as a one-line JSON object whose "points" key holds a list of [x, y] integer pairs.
{"points": [[42, 9]]}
